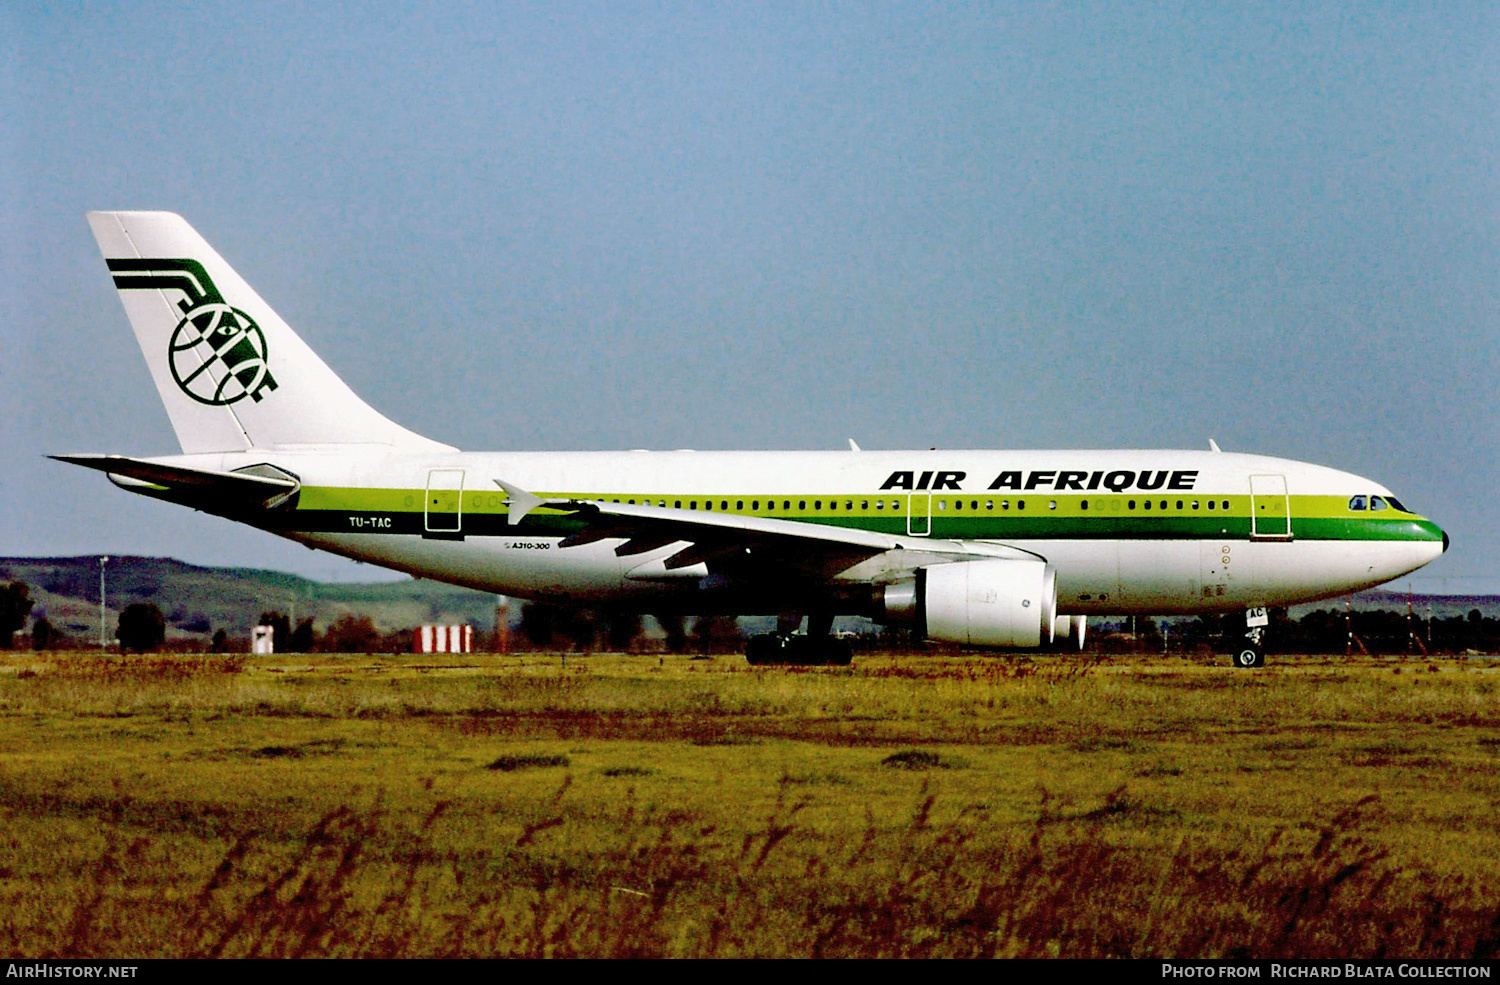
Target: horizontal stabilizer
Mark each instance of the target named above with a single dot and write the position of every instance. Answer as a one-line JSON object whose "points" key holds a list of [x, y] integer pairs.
{"points": [[229, 488]]}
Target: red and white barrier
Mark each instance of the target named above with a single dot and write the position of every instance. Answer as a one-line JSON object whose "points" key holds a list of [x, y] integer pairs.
{"points": [[443, 639]]}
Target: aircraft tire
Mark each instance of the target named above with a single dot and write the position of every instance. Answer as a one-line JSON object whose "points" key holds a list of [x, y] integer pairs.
{"points": [[1249, 656], [765, 648], [838, 653], [770, 649], [801, 651]]}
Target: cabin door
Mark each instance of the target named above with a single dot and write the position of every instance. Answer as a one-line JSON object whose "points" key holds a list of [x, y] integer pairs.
{"points": [[1270, 508], [444, 513]]}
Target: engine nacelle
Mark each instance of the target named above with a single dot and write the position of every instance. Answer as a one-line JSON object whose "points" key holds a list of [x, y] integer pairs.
{"points": [[994, 602]]}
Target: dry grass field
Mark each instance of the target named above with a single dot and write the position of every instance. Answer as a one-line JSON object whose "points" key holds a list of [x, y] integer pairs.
{"points": [[613, 806]]}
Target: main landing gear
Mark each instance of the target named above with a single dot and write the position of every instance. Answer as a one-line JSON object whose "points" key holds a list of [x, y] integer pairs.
{"points": [[1251, 653], [817, 647]]}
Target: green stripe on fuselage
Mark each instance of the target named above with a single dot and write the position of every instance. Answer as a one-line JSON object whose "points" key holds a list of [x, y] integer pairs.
{"points": [[989, 517]]}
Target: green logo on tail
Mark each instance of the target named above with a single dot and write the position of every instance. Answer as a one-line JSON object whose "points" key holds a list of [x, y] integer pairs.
{"points": [[217, 353]]}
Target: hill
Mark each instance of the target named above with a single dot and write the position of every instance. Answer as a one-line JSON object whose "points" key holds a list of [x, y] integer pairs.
{"points": [[197, 600]]}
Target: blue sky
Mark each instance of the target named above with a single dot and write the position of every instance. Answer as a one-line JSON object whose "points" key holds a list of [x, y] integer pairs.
{"points": [[558, 226]]}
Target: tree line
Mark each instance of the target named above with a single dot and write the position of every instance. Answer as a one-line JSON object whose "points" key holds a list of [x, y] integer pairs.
{"points": [[1371, 631], [141, 628]]}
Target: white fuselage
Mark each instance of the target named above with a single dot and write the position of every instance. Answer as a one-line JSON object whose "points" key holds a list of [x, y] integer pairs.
{"points": [[1127, 531]]}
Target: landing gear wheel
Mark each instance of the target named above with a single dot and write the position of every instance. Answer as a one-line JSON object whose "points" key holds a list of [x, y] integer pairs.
{"points": [[1249, 656], [818, 651], [800, 650], [766, 648], [773, 648], [838, 653]]}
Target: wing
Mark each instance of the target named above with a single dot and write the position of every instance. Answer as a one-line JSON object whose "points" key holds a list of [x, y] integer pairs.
{"points": [[702, 542]]}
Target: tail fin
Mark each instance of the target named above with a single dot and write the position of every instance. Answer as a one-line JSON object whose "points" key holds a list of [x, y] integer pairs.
{"points": [[232, 374]]}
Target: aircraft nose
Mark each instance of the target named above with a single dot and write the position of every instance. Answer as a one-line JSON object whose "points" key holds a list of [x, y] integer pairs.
{"points": [[1445, 542]]}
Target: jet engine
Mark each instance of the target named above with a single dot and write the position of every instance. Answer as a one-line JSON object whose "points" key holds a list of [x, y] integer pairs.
{"points": [[993, 602]]}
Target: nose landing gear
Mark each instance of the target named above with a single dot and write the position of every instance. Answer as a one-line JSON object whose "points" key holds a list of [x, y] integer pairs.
{"points": [[1251, 653]]}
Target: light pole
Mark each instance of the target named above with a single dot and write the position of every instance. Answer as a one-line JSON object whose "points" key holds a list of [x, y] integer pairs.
{"points": [[103, 560]]}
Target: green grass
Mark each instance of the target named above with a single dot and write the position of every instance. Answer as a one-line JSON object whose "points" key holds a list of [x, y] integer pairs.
{"points": [[612, 806]]}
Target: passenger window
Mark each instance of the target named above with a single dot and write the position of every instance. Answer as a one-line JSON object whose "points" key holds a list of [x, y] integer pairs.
{"points": [[1083, 504], [1224, 505], [1211, 504], [849, 505], [1020, 504], [676, 504], [958, 504], [801, 504], [817, 504], [942, 504], [1130, 505], [989, 505], [880, 504], [755, 505], [1051, 504], [1005, 504], [1146, 504], [1376, 503], [1195, 504]]}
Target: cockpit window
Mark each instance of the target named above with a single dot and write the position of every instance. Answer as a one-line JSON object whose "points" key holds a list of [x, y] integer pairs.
{"points": [[1356, 503], [1396, 504], [1376, 503]]}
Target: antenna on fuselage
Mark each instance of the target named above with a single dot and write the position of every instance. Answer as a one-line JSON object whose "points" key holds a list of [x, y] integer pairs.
{"points": [[1213, 445]]}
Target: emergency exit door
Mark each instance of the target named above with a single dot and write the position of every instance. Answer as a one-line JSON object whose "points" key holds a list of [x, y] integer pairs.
{"points": [[919, 514]]}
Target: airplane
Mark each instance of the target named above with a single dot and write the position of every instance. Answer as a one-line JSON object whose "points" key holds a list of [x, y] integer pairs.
{"points": [[1005, 549]]}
